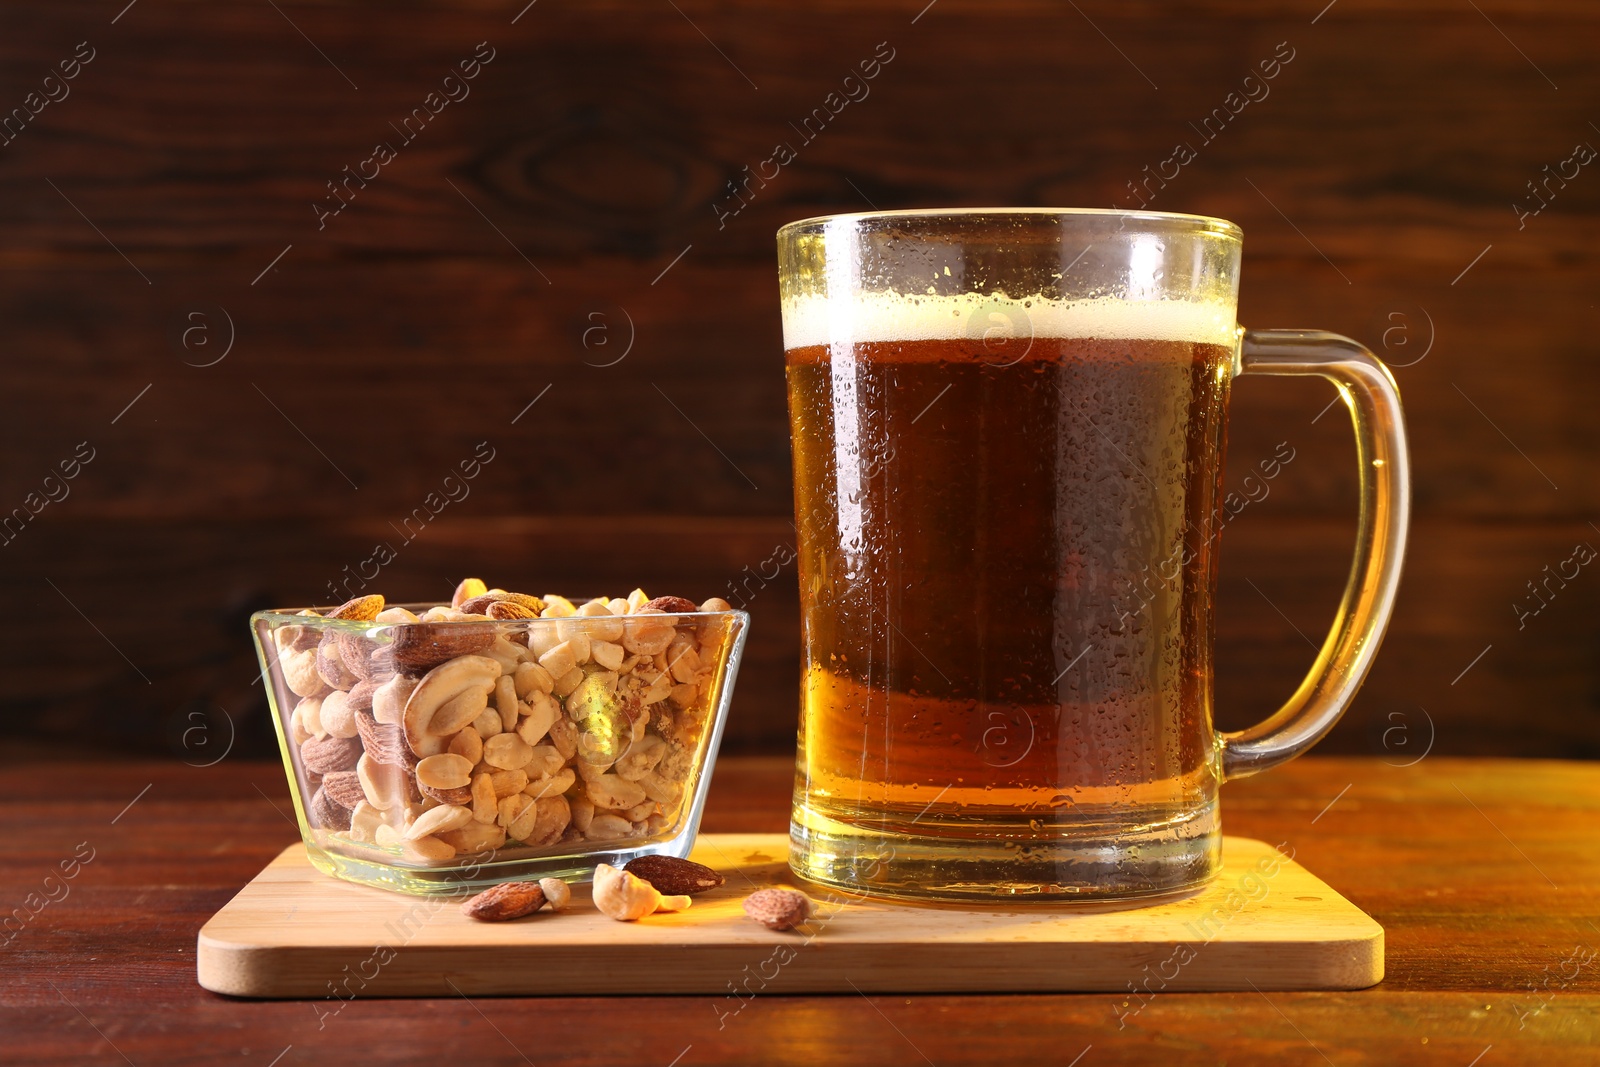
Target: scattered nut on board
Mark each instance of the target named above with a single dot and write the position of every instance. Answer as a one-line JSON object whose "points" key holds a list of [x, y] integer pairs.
{"points": [[557, 892], [626, 897], [778, 909], [508, 900], [674, 876]]}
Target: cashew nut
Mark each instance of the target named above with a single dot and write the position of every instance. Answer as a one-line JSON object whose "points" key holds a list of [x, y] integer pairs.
{"points": [[308, 717], [389, 699], [626, 897]]}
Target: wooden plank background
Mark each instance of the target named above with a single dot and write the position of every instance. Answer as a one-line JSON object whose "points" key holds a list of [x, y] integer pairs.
{"points": [[562, 214]]}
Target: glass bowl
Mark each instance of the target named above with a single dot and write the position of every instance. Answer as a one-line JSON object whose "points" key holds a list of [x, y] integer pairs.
{"points": [[431, 751]]}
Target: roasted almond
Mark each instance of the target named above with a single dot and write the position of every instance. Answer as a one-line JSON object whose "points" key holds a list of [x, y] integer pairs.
{"points": [[406, 773], [355, 651], [508, 900], [343, 788], [380, 665], [360, 695], [672, 604], [327, 814], [673, 876], [479, 605], [506, 609], [363, 608], [330, 754], [384, 743], [420, 647], [330, 664], [778, 909]]}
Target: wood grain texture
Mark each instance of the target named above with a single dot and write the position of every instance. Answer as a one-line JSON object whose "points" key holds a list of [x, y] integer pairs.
{"points": [[1281, 578], [379, 349], [1477, 922], [462, 361]]}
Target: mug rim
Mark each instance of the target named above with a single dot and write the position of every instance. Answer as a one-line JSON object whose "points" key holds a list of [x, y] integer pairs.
{"points": [[1212, 224]]}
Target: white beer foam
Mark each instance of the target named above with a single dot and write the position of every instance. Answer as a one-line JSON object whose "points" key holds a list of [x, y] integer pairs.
{"points": [[892, 317]]}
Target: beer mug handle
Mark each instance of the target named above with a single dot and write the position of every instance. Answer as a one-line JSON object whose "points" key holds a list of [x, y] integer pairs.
{"points": [[1369, 391]]}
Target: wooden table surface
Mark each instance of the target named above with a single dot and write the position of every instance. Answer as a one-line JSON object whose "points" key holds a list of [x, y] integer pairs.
{"points": [[1485, 874]]}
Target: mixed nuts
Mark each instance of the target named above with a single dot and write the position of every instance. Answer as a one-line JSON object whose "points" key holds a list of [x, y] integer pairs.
{"points": [[503, 719]]}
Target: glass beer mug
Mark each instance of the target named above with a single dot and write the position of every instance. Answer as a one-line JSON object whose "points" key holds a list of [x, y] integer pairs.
{"points": [[1008, 431]]}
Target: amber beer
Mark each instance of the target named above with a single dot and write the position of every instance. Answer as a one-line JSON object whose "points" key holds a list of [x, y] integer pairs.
{"points": [[1004, 571], [1008, 432]]}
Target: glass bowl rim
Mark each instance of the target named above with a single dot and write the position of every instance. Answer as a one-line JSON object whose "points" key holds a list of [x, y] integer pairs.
{"points": [[291, 615]]}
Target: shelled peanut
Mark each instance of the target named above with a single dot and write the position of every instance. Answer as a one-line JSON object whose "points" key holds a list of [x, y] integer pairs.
{"points": [[461, 731]]}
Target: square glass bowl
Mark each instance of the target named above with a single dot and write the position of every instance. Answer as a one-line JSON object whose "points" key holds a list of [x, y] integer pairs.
{"points": [[449, 754]]}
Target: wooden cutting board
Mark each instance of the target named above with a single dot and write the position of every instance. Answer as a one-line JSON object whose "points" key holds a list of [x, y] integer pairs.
{"points": [[1265, 922]]}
